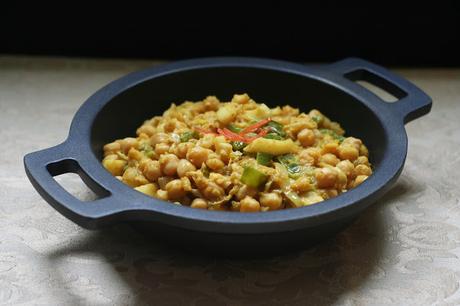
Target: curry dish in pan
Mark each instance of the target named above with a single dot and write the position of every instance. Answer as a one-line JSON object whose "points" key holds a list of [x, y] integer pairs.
{"points": [[239, 156]]}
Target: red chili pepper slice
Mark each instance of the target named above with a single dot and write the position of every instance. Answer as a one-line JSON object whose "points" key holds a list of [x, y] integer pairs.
{"points": [[262, 133], [255, 127], [241, 136], [236, 137], [231, 135], [203, 131]]}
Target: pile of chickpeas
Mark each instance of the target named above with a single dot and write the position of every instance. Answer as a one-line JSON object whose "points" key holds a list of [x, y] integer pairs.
{"points": [[204, 170]]}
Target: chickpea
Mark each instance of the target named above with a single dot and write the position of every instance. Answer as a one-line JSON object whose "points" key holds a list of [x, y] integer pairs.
{"points": [[362, 160], [329, 159], [146, 129], [186, 183], [199, 203], [213, 192], [244, 191], [155, 121], [162, 181], [352, 141], [359, 179], [182, 148], [175, 189], [218, 140], [347, 167], [198, 108], [240, 99], [314, 113], [224, 150], [363, 150], [111, 157], [159, 138], [342, 179], [336, 128], [128, 143], [143, 136], [114, 166], [133, 178], [306, 137], [305, 158], [183, 167], [318, 134], [249, 204], [302, 184], [169, 126], [271, 200], [135, 154], [112, 147], [206, 142], [314, 152], [348, 152], [299, 124], [162, 195], [161, 148], [330, 147], [168, 164], [363, 170], [217, 207], [152, 170], [325, 177], [198, 155], [329, 193], [141, 179], [288, 111], [148, 189], [211, 103], [215, 164], [221, 180]]}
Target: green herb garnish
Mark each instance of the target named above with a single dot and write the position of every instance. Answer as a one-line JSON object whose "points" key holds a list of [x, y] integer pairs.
{"points": [[273, 136], [294, 168], [263, 158], [238, 145], [234, 129], [277, 128], [291, 164], [316, 118], [333, 134], [253, 177], [186, 136], [294, 198], [147, 149]]}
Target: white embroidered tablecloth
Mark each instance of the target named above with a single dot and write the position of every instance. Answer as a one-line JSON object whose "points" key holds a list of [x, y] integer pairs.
{"points": [[404, 250]]}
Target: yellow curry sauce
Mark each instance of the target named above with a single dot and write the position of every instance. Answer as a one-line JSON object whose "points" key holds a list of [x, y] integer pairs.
{"points": [[239, 156]]}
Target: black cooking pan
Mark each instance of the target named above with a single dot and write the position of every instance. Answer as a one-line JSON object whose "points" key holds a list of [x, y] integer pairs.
{"points": [[116, 110]]}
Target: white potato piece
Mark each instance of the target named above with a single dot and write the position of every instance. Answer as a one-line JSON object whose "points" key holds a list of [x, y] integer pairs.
{"points": [[272, 146], [148, 189], [227, 113]]}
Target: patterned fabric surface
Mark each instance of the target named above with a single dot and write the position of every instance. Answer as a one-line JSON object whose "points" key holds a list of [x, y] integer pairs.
{"points": [[404, 250]]}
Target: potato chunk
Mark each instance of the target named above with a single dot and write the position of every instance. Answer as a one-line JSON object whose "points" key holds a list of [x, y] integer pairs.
{"points": [[272, 146], [226, 114]]}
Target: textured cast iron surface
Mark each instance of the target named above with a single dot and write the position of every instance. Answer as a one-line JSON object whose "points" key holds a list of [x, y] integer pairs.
{"points": [[117, 109]]}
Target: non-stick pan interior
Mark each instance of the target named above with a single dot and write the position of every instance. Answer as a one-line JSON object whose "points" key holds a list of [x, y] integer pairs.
{"points": [[127, 111]]}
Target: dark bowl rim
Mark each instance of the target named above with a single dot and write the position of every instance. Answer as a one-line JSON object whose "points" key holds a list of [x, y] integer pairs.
{"points": [[131, 205]]}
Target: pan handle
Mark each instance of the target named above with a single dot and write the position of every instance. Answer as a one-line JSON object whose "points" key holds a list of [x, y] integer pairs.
{"points": [[412, 101], [42, 166]]}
